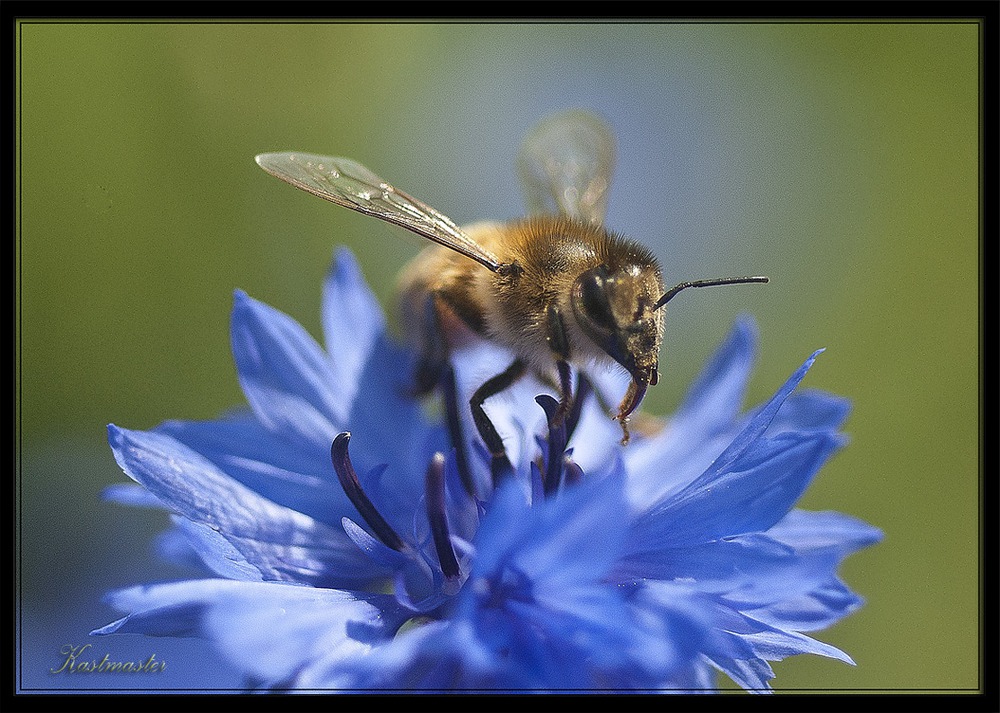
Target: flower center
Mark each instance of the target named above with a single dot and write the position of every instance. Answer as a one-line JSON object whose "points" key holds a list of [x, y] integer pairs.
{"points": [[554, 467], [494, 592]]}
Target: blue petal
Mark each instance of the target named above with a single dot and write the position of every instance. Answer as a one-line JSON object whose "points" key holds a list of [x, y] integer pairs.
{"points": [[372, 547], [388, 426], [270, 631], [759, 423], [775, 645], [575, 537], [683, 620], [811, 531], [352, 321], [536, 594], [750, 571], [440, 656], [714, 400], [810, 410], [287, 378], [275, 542], [463, 510], [824, 606], [677, 629], [295, 475], [750, 669], [747, 492], [828, 534], [751, 674], [701, 429], [224, 557], [131, 494], [741, 645]]}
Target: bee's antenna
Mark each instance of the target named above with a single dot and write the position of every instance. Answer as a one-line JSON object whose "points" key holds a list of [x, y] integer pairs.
{"points": [[669, 294]]}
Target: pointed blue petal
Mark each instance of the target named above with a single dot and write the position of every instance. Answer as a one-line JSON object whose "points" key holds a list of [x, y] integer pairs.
{"points": [[751, 674], [743, 644], [273, 540], [554, 543], [270, 631], [388, 426], [224, 559], [750, 492], [810, 531], [818, 609], [287, 378], [749, 571], [811, 410], [295, 475], [714, 400], [703, 426], [760, 421], [131, 494], [352, 321], [775, 645]]}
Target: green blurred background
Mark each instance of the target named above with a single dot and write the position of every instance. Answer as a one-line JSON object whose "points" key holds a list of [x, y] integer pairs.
{"points": [[841, 159]]}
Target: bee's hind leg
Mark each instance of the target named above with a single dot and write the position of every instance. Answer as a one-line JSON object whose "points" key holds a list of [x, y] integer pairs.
{"points": [[442, 309], [433, 369], [432, 365]]}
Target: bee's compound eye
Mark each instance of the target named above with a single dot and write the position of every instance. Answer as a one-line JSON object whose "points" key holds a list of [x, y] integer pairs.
{"points": [[592, 298]]}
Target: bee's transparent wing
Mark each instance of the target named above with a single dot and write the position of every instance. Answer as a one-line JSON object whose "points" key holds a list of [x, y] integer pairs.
{"points": [[565, 165], [348, 183]]}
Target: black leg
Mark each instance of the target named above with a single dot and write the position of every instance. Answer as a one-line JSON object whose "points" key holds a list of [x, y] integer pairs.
{"points": [[449, 391], [500, 464], [559, 344], [432, 361], [565, 389]]}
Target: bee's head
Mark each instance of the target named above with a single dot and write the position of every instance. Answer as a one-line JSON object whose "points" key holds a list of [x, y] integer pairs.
{"points": [[616, 307]]}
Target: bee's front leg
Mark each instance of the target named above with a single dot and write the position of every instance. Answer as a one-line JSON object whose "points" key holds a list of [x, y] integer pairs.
{"points": [[500, 465], [555, 334]]}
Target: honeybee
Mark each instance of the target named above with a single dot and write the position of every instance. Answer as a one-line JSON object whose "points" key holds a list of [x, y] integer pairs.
{"points": [[556, 288]]}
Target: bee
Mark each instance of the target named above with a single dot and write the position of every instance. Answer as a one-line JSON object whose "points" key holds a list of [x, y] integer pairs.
{"points": [[557, 288]]}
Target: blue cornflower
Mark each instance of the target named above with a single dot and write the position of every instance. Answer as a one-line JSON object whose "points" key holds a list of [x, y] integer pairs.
{"points": [[356, 541]]}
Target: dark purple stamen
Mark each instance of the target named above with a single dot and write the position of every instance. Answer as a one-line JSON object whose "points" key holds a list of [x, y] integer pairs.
{"points": [[438, 518], [556, 443], [352, 487], [449, 388]]}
